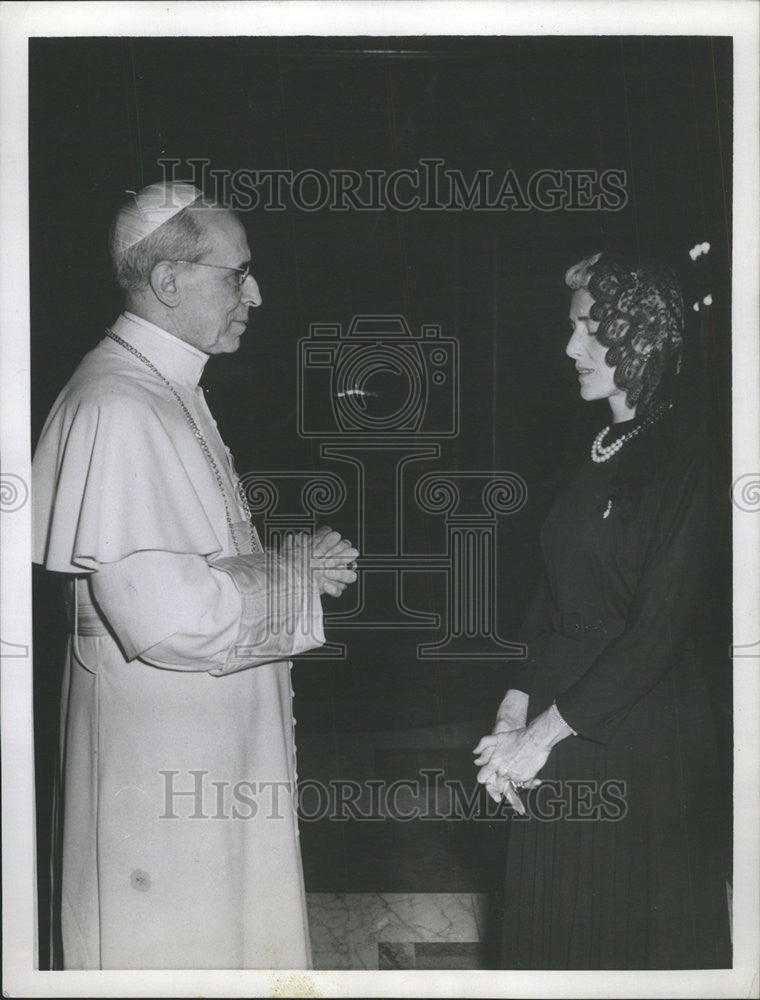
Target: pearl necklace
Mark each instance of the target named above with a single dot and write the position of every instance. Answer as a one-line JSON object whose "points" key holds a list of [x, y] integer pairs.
{"points": [[202, 442], [603, 453]]}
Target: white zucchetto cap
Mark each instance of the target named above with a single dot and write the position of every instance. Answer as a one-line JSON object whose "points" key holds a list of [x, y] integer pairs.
{"points": [[148, 209]]}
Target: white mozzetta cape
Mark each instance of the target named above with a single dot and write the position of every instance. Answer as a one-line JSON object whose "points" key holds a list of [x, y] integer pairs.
{"points": [[177, 792]]}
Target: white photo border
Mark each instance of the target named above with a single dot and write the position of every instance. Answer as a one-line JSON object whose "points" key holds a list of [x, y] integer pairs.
{"points": [[20, 22]]}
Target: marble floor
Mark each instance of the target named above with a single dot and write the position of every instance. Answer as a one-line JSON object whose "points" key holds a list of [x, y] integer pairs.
{"points": [[423, 930], [381, 892]]}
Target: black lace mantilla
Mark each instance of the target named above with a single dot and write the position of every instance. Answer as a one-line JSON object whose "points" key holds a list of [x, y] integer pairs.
{"points": [[641, 320]]}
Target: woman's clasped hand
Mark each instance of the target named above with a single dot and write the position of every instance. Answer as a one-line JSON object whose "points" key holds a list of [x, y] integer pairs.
{"points": [[508, 761], [511, 757]]}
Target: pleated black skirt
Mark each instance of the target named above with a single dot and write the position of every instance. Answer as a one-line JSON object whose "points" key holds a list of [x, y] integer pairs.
{"points": [[623, 858]]}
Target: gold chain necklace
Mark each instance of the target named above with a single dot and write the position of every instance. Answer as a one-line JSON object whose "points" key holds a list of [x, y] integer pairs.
{"points": [[201, 441]]}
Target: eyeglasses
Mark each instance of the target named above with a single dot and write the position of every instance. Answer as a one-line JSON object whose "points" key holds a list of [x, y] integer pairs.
{"points": [[243, 273]]}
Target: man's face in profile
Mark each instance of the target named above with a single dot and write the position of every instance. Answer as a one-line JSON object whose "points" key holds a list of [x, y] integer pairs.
{"points": [[215, 299]]}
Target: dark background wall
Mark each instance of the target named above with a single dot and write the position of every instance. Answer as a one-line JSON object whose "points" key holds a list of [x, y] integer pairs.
{"points": [[103, 111]]}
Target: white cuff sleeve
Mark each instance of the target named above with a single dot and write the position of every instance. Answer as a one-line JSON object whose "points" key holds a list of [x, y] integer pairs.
{"points": [[282, 609]]}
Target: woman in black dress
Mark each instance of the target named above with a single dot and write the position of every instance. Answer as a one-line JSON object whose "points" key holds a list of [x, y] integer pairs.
{"points": [[605, 745]]}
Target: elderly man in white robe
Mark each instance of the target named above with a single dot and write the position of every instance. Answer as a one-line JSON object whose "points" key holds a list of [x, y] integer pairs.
{"points": [[177, 781]]}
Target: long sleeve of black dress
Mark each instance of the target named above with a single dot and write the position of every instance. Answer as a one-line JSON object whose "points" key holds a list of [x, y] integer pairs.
{"points": [[536, 624], [680, 515]]}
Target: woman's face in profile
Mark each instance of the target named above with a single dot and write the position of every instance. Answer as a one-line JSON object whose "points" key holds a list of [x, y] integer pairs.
{"points": [[594, 374]]}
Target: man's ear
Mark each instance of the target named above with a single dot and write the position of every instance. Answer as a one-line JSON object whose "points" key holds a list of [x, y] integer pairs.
{"points": [[163, 282]]}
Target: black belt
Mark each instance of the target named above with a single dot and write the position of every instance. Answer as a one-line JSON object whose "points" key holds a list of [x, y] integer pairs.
{"points": [[576, 626]]}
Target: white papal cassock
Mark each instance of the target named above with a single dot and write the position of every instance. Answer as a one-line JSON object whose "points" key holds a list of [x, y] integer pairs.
{"points": [[180, 837]]}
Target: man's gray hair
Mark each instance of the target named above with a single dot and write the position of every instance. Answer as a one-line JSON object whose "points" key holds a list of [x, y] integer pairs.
{"points": [[179, 238]]}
